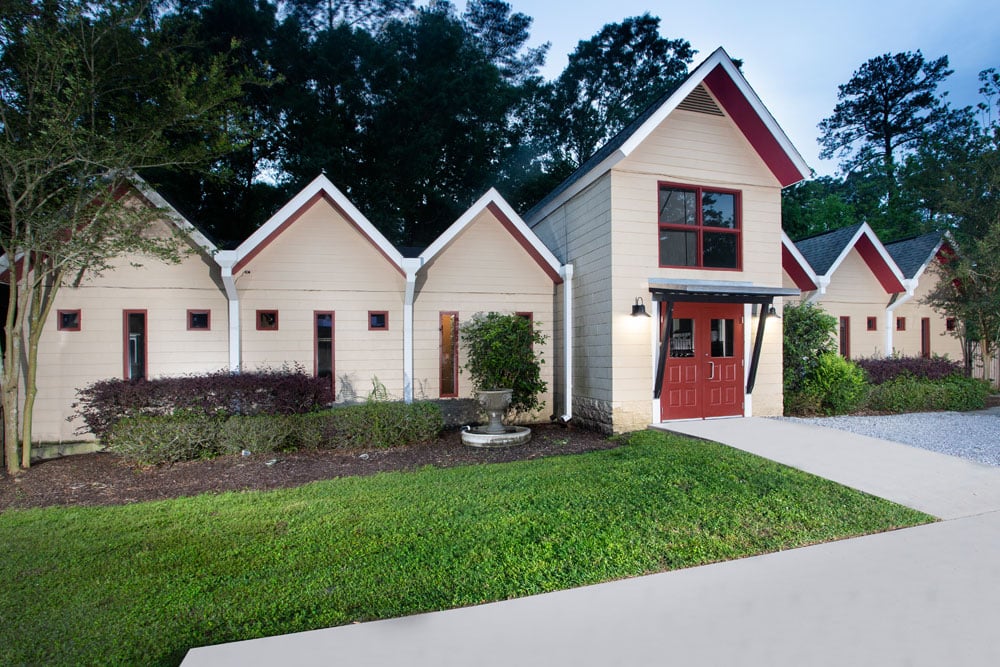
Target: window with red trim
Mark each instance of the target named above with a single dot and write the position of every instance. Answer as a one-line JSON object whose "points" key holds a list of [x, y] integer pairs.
{"points": [[950, 324], [267, 320], [68, 320], [872, 323], [378, 320], [699, 227], [900, 324], [199, 320]]}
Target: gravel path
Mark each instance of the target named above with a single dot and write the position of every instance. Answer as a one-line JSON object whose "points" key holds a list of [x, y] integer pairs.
{"points": [[970, 435]]}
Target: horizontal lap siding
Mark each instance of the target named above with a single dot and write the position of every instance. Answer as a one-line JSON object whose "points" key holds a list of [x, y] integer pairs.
{"points": [[580, 233], [855, 292], [943, 342], [69, 360], [484, 269], [322, 263], [699, 150]]}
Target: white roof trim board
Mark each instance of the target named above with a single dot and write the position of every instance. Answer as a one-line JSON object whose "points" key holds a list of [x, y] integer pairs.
{"points": [[865, 230], [719, 57], [495, 198], [182, 223], [789, 245], [321, 184]]}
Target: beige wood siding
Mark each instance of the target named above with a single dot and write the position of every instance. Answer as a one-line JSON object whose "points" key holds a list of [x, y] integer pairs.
{"points": [[69, 360], [701, 150], [907, 343], [855, 292], [323, 263], [579, 232], [484, 269]]}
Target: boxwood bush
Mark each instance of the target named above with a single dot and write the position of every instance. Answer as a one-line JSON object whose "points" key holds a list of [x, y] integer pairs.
{"points": [[836, 385], [188, 435]]}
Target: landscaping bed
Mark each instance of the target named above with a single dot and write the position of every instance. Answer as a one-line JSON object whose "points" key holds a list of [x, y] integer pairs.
{"points": [[105, 479]]}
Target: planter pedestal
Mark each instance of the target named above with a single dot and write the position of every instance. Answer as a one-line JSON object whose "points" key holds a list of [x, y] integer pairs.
{"points": [[495, 434]]}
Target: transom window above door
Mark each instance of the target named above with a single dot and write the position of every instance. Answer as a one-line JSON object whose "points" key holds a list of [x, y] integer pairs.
{"points": [[699, 227]]}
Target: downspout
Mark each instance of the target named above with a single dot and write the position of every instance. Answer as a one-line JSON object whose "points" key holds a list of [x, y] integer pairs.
{"points": [[410, 266], [894, 303], [226, 259], [566, 271], [822, 282]]}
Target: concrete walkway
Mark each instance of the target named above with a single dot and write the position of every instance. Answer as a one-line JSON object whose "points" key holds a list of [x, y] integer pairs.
{"points": [[922, 596]]}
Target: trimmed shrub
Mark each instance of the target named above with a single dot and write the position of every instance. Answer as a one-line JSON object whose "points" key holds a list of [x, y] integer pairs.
{"points": [[153, 440], [184, 436], [807, 333], [501, 352], [838, 384], [883, 370], [284, 391], [906, 393]]}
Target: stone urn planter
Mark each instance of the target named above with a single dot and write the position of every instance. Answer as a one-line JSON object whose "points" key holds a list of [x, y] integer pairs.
{"points": [[495, 433]]}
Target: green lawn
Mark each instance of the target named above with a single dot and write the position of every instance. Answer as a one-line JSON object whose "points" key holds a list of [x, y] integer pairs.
{"points": [[141, 584]]}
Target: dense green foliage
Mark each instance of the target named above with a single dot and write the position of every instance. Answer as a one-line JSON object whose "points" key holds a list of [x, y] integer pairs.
{"points": [[143, 583], [807, 332], [89, 93], [836, 385], [501, 353], [907, 393], [188, 435]]}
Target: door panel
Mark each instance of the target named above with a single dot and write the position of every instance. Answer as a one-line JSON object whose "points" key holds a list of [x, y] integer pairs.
{"points": [[704, 367]]}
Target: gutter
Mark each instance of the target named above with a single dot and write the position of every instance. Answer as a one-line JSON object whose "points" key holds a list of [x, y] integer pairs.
{"points": [[566, 271], [410, 265], [226, 259], [822, 283], [895, 302]]}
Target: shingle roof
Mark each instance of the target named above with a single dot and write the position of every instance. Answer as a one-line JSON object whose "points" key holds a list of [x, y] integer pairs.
{"points": [[822, 250], [911, 254]]}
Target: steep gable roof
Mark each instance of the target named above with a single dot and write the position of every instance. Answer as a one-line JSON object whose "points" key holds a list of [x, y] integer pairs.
{"points": [[912, 255], [319, 188], [825, 253], [493, 202], [723, 79], [796, 266]]}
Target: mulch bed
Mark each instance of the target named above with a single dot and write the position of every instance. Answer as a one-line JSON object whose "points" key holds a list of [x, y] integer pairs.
{"points": [[105, 479]]}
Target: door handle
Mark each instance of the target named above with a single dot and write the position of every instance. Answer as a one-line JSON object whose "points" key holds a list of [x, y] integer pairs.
{"points": [[711, 370]]}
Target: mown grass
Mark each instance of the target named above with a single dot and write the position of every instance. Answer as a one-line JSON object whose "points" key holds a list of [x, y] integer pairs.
{"points": [[141, 584]]}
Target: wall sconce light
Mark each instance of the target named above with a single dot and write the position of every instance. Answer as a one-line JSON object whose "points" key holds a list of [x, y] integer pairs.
{"points": [[639, 308], [773, 312]]}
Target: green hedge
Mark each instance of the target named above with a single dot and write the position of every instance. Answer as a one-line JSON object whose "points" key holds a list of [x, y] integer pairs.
{"points": [[185, 436], [906, 393]]}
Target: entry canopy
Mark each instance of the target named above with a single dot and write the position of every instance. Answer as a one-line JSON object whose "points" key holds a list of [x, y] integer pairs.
{"points": [[706, 291]]}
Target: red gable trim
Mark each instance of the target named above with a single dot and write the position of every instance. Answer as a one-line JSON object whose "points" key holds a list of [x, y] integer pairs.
{"points": [[875, 261], [298, 214], [795, 271], [753, 128], [535, 255]]}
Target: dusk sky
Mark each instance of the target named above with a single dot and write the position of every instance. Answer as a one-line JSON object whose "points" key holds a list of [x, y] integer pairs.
{"points": [[795, 53]]}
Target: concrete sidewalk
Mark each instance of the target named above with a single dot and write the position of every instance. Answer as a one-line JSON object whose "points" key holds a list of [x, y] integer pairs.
{"points": [[944, 486], [920, 596]]}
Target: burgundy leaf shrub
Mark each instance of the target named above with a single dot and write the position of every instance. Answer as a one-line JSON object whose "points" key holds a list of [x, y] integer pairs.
{"points": [[883, 370], [282, 391]]}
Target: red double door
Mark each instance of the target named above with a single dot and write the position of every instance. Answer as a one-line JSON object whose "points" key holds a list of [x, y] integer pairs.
{"points": [[703, 376]]}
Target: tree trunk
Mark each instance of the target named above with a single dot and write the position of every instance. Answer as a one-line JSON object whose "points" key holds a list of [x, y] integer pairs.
{"points": [[42, 299]]}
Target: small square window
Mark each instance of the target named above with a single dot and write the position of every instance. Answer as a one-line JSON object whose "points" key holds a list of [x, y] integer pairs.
{"points": [[199, 320], [267, 320], [872, 323], [378, 320], [950, 324], [68, 320], [900, 324]]}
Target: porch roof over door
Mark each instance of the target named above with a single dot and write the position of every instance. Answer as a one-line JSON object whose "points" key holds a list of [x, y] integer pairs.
{"points": [[707, 291]]}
